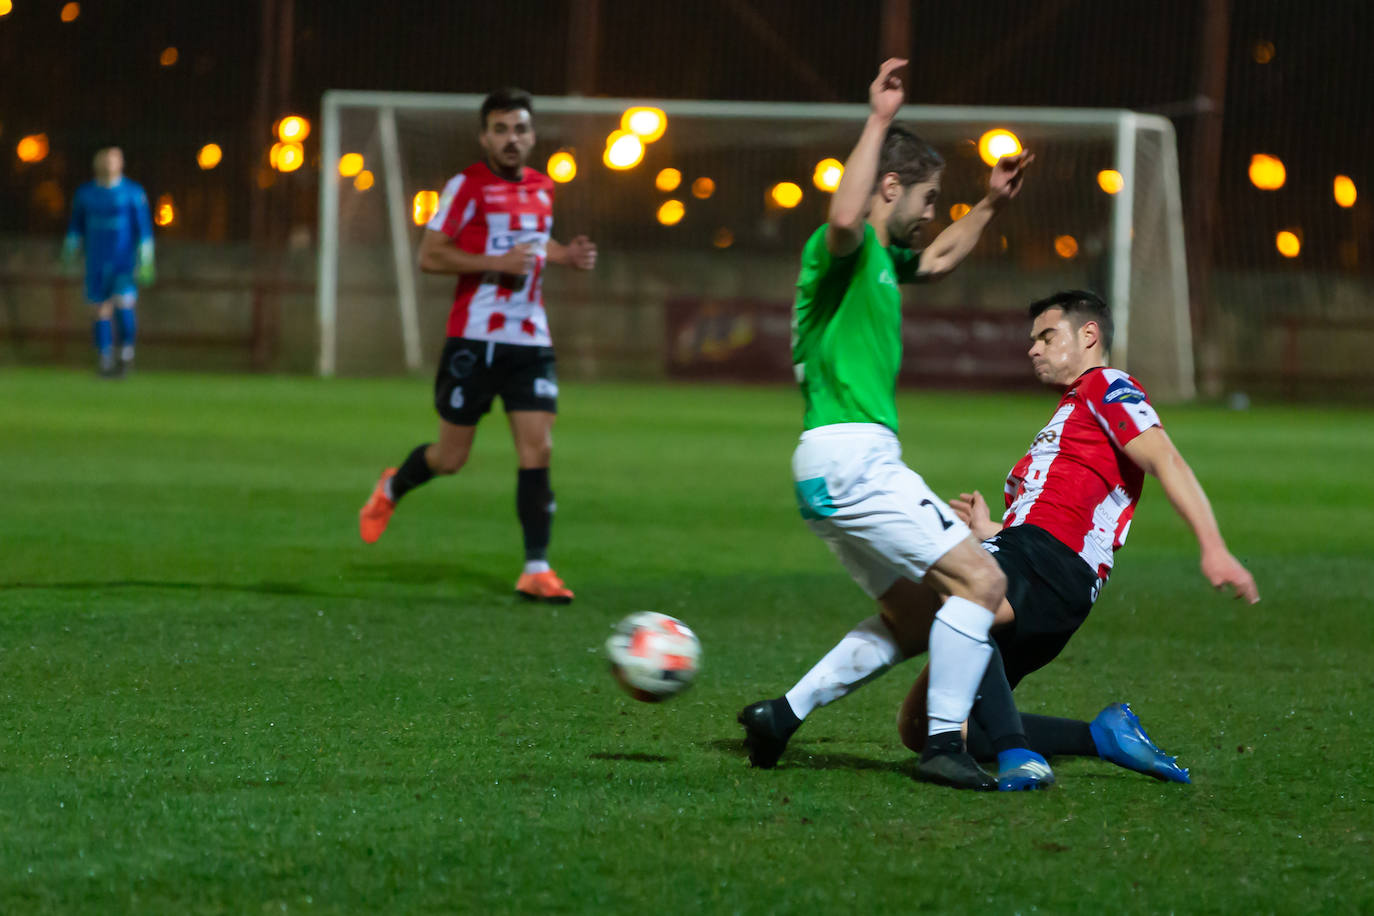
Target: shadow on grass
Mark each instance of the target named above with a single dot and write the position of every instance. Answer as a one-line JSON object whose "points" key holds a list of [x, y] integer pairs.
{"points": [[799, 757], [419, 573], [632, 758]]}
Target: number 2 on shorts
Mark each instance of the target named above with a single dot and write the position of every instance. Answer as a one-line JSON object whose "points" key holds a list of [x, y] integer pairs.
{"points": [[946, 523]]}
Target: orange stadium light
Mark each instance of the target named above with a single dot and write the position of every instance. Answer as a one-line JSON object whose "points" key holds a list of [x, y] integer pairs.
{"points": [[1110, 180], [668, 180], [1343, 189], [648, 124], [166, 212], [209, 156], [1267, 172], [70, 11], [364, 181], [1066, 246], [6, 6], [786, 194], [959, 211], [33, 148], [671, 212], [562, 166], [624, 150], [1288, 243], [723, 238], [703, 188], [293, 129], [996, 143], [350, 164], [424, 206], [286, 157], [1263, 52], [827, 175], [169, 56]]}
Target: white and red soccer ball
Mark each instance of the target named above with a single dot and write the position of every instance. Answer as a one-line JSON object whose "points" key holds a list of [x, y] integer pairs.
{"points": [[653, 656]]}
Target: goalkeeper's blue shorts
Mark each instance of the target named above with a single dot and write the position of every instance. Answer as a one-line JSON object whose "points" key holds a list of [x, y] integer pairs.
{"points": [[106, 281]]}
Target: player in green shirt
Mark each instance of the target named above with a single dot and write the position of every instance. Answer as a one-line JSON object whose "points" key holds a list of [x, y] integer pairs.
{"points": [[888, 529]]}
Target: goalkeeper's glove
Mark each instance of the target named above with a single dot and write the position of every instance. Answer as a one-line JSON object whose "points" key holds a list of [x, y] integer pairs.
{"points": [[145, 273], [71, 252]]}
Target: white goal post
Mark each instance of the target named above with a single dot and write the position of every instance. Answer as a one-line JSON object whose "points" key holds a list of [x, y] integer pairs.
{"points": [[1128, 245]]}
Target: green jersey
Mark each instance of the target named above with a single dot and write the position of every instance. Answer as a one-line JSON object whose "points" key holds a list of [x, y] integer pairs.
{"points": [[847, 330]]}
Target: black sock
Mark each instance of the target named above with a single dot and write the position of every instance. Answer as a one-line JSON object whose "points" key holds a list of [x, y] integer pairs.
{"points": [[943, 743], [1050, 736], [412, 472], [995, 711], [979, 744], [534, 505]]}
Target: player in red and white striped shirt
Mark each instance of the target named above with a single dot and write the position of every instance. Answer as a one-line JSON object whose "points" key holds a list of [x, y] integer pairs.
{"points": [[493, 229], [1069, 505]]}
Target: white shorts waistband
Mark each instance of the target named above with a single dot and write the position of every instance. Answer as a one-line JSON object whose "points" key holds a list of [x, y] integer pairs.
{"points": [[850, 431]]}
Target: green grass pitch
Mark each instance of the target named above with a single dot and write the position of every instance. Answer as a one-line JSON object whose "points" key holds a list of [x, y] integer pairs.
{"points": [[216, 699]]}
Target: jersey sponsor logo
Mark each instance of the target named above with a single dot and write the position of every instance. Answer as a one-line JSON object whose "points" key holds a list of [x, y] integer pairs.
{"points": [[1122, 391], [886, 278], [545, 388], [460, 365], [1047, 436]]}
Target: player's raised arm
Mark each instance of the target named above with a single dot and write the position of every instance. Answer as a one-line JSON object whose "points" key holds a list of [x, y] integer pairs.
{"points": [[954, 244], [579, 254], [1156, 454], [850, 203]]}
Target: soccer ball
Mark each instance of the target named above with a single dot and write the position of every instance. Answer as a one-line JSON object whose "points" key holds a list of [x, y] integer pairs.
{"points": [[653, 656]]}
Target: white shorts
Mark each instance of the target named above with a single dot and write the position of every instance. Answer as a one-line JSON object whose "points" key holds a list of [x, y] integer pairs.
{"points": [[875, 513]]}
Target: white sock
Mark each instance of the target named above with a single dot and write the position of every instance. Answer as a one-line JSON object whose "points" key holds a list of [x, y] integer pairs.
{"points": [[865, 652], [126, 353], [536, 566], [959, 653]]}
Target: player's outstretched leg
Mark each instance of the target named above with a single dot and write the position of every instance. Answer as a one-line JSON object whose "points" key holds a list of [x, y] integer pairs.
{"points": [[1120, 739], [768, 724]]}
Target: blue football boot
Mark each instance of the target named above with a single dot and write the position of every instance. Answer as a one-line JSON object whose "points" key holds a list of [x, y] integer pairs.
{"points": [[1119, 738], [1022, 768]]}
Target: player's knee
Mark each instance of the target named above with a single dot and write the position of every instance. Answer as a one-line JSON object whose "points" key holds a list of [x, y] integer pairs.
{"points": [[536, 454]]}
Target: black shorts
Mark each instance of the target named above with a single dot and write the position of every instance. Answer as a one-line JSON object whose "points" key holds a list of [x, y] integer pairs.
{"points": [[1050, 588], [473, 372]]}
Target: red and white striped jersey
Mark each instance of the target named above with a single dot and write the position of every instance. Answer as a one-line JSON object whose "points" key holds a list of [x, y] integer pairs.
{"points": [[1076, 482], [486, 214]]}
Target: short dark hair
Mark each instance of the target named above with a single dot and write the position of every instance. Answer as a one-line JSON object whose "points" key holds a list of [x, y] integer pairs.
{"points": [[1079, 306], [913, 159], [507, 99]]}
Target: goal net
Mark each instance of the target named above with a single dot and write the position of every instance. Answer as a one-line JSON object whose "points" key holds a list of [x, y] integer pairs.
{"points": [[699, 242]]}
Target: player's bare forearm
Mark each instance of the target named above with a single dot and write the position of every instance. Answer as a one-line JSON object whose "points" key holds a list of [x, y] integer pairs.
{"points": [[440, 256], [1155, 453], [849, 204], [959, 239], [579, 254]]}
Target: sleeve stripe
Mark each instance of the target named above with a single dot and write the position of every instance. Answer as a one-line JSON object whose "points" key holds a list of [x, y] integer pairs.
{"points": [[452, 191]]}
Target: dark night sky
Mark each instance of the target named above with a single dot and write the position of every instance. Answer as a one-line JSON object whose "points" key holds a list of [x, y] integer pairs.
{"points": [[98, 78]]}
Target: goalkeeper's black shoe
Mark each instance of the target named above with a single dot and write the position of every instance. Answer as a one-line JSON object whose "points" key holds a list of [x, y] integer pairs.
{"points": [[955, 768], [768, 724]]}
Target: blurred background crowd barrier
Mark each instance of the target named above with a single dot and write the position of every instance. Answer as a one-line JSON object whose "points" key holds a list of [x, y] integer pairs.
{"points": [[220, 109]]}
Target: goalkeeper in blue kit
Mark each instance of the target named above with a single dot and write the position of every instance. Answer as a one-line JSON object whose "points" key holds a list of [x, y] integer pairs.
{"points": [[111, 222]]}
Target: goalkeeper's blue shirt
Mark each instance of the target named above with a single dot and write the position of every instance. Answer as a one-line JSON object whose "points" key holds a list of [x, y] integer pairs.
{"points": [[112, 223]]}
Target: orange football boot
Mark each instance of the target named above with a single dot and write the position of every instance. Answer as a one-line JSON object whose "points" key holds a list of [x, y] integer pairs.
{"points": [[376, 512], [544, 586]]}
